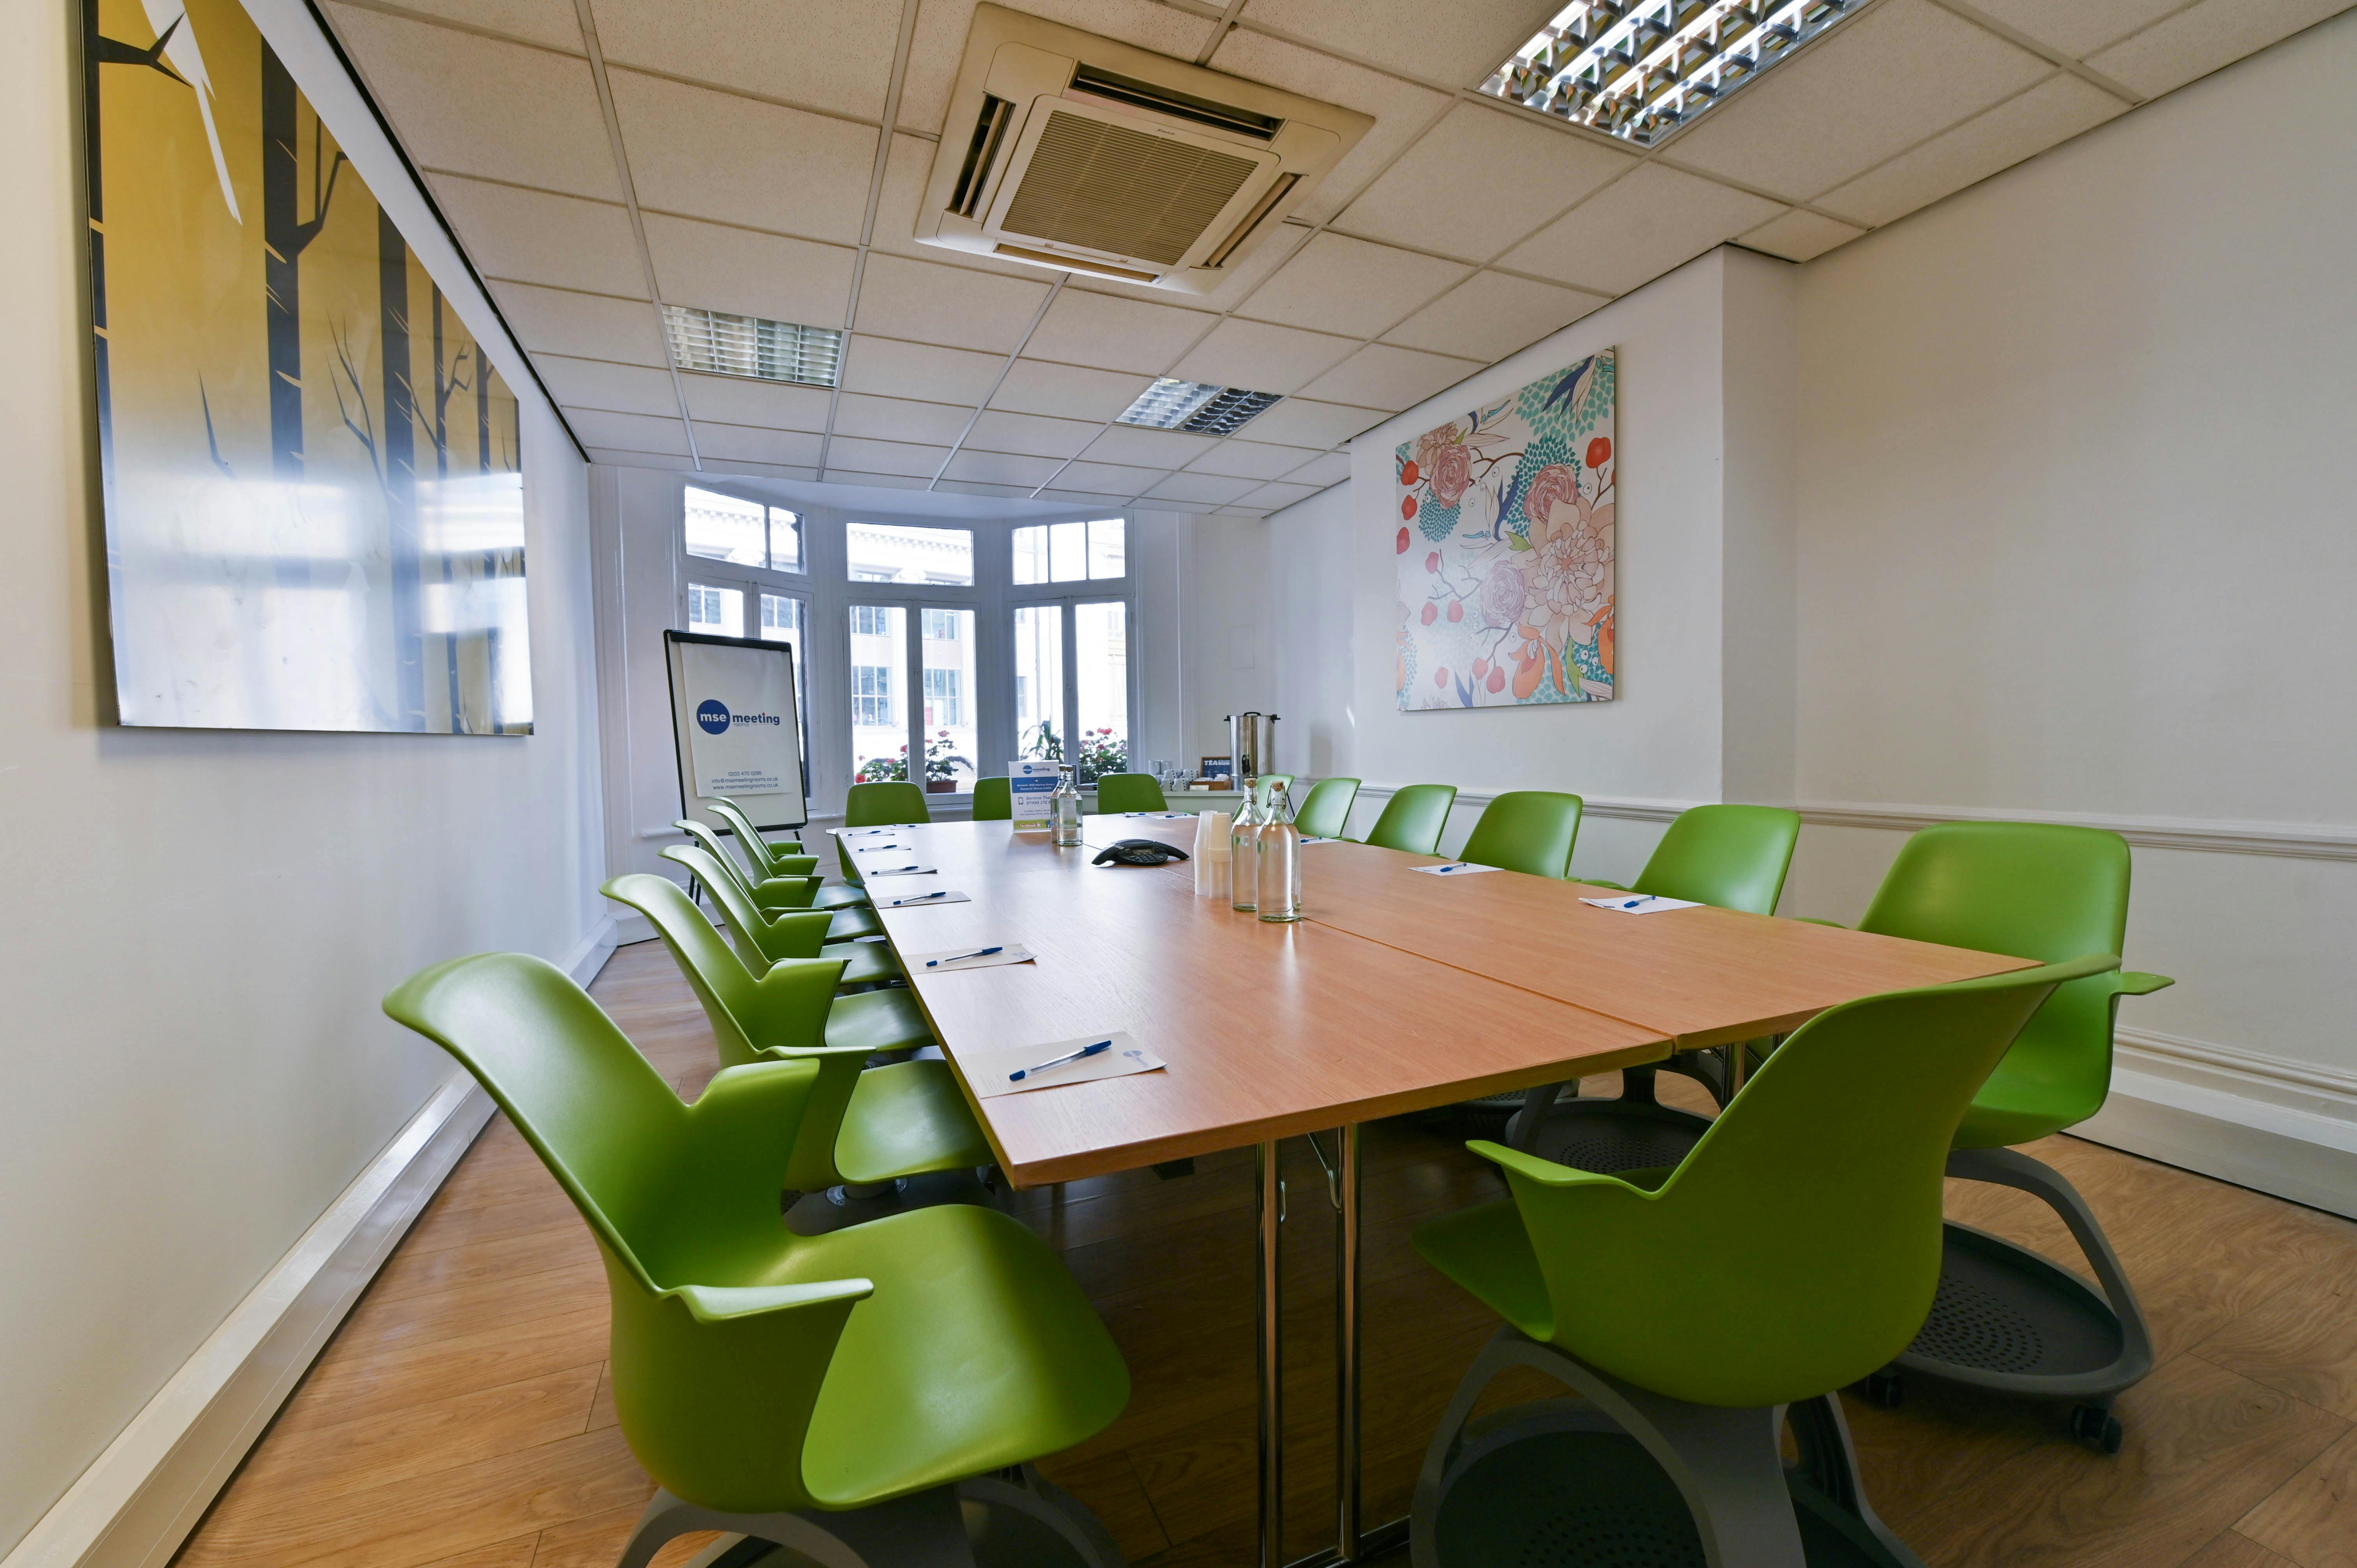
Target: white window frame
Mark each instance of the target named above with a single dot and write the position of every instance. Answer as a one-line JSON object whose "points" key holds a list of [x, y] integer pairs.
{"points": [[827, 593]]}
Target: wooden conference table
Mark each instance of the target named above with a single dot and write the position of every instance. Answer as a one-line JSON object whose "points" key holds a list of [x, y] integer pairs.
{"points": [[1396, 992]]}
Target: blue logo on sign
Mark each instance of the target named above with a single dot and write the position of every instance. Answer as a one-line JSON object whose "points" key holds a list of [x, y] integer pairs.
{"points": [[713, 716]]}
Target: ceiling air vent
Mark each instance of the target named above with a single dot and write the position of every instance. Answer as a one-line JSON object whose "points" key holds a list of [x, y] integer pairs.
{"points": [[1071, 151]]}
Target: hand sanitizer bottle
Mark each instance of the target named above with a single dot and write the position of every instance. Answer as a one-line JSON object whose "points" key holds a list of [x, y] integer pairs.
{"points": [[1064, 810], [1243, 851], [1280, 858]]}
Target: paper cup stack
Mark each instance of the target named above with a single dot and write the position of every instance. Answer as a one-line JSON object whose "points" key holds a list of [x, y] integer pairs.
{"points": [[1211, 854]]}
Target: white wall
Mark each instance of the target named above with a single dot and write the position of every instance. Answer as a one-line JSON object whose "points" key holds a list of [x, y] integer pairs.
{"points": [[2078, 535], [202, 922]]}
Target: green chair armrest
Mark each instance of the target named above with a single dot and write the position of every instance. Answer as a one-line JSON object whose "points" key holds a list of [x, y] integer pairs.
{"points": [[1546, 1172], [2135, 983], [796, 933], [785, 892], [724, 1303]]}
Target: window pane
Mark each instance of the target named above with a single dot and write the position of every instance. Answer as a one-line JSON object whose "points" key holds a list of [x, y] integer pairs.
{"points": [[1101, 645], [1039, 681], [785, 540], [879, 725], [715, 612], [784, 620], [882, 552], [1067, 549], [722, 528], [950, 737], [1108, 550], [1032, 554]]}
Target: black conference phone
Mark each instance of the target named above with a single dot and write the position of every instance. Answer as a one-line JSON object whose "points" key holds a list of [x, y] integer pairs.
{"points": [[1140, 852]]}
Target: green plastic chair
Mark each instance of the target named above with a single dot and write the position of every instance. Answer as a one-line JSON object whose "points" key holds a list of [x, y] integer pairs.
{"points": [[865, 1125], [762, 856], [1525, 829], [1414, 818], [772, 1383], [888, 804], [1794, 1250], [853, 916], [1119, 792], [993, 799], [762, 938], [1326, 810]]}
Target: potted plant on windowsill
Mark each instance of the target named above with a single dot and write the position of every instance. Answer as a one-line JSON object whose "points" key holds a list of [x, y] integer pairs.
{"points": [[1103, 751], [941, 765]]}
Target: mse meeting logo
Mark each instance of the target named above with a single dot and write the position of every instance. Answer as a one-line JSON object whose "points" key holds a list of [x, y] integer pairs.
{"points": [[714, 717]]}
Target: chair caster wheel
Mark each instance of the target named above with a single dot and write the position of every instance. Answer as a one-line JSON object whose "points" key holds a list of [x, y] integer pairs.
{"points": [[2097, 1428], [1885, 1389]]}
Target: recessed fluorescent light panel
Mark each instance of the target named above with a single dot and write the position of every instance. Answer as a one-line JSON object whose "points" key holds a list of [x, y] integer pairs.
{"points": [[1640, 71], [1195, 407], [720, 344]]}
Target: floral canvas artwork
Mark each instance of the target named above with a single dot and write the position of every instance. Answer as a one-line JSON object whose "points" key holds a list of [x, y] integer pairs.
{"points": [[1505, 549]]}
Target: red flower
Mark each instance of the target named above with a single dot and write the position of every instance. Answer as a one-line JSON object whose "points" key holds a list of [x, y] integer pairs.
{"points": [[1480, 668], [1440, 676], [1431, 613], [1401, 548], [1498, 678], [1600, 452], [1432, 561], [1452, 472], [1456, 609], [1409, 474], [1407, 507]]}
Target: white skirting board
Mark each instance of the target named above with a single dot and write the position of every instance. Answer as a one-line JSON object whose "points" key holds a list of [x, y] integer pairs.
{"points": [[142, 1496]]}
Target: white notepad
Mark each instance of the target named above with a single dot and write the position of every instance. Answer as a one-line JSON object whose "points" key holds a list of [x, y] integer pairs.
{"points": [[949, 959], [1452, 868], [986, 1067], [911, 868], [1640, 903], [918, 900], [880, 848], [863, 832]]}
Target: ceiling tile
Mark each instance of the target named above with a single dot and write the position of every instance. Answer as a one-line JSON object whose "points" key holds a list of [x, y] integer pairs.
{"points": [[836, 475], [1403, 110], [892, 369], [925, 303], [1108, 479], [533, 237], [1634, 229], [741, 400], [588, 326], [749, 273], [884, 457], [1327, 468], [1491, 315], [469, 105], [710, 155], [619, 389], [1149, 448], [628, 431], [616, 458], [2081, 27], [2195, 42], [1457, 45], [1259, 357], [828, 54], [1031, 435], [902, 419], [1213, 489], [938, 45], [550, 22], [1082, 498], [905, 173], [1336, 283], [1299, 422], [961, 487], [1379, 376], [1250, 460], [1003, 468], [1113, 333], [1801, 236], [1067, 391], [1278, 496], [770, 471], [1479, 181], [2048, 114], [731, 443], [1903, 70]]}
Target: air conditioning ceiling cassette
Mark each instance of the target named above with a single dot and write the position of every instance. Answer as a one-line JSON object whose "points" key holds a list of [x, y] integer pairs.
{"points": [[1073, 152]]}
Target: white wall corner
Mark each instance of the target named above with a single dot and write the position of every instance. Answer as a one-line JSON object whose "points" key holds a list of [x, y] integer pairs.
{"points": [[144, 1493], [590, 955]]}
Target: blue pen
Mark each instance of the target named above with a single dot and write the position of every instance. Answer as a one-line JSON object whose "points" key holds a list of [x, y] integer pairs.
{"points": [[1447, 869], [918, 898], [961, 957], [1084, 1051]]}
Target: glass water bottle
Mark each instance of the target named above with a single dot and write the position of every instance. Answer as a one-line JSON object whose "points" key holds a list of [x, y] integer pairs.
{"points": [[1280, 858], [1243, 851], [1064, 810]]}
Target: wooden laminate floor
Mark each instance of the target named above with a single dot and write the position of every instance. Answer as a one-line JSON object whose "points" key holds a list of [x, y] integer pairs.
{"points": [[460, 1418]]}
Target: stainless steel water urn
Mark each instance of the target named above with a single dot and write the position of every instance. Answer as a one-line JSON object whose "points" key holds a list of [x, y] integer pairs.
{"points": [[1251, 742]]}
